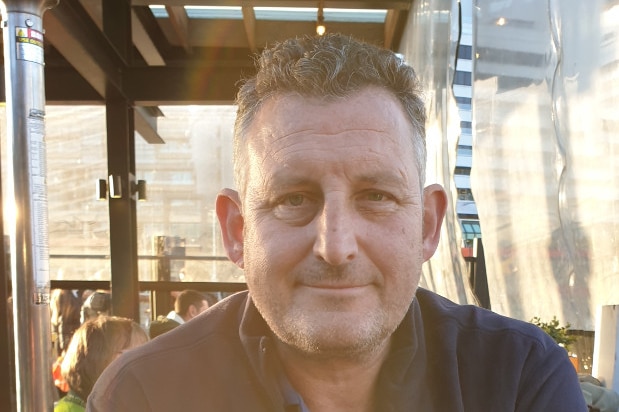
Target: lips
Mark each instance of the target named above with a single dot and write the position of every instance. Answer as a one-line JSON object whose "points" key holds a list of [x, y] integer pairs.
{"points": [[329, 277], [334, 286]]}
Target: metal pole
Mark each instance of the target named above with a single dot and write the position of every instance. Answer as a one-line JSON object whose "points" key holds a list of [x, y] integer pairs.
{"points": [[26, 207]]}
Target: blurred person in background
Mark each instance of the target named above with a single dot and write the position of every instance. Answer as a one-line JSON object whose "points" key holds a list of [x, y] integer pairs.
{"points": [[96, 304], [65, 307], [94, 345], [189, 304]]}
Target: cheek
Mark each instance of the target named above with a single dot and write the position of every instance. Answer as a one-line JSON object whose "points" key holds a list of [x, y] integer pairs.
{"points": [[404, 232], [270, 249], [399, 249]]}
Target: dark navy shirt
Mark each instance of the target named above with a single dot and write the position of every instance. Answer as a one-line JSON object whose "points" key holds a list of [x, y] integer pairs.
{"points": [[444, 357]]}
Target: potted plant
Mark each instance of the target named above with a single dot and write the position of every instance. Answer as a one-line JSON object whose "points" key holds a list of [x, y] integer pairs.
{"points": [[559, 334]]}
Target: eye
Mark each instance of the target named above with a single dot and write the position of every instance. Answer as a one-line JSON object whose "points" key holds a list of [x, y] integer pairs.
{"points": [[375, 196], [296, 208], [294, 199], [374, 201]]}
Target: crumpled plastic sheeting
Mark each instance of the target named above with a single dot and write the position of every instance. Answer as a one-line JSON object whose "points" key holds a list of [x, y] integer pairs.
{"points": [[599, 397]]}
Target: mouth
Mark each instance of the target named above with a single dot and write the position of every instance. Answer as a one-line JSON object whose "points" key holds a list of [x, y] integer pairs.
{"points": [[337, 289], [333, 286]]}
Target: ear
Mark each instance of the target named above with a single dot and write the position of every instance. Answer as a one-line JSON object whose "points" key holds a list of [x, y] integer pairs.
{"points": [[434, 207], [193, 311], [228, 207]]}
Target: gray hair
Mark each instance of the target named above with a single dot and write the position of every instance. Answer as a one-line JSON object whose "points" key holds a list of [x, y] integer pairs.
{"points": [[328, 67]]}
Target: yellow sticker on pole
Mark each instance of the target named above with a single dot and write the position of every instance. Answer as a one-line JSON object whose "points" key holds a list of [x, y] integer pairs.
{"points": [[29, 44]]}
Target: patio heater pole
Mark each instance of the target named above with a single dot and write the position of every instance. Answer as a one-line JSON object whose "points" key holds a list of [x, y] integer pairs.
{"points": [[26, 201]]}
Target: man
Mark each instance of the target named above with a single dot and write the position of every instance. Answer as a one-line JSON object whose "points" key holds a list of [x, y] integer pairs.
{"points": [[331, 225], [188, 304]]}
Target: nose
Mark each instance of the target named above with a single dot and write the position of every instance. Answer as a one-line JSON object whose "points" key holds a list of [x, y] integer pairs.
{"points": [[336, 241]]}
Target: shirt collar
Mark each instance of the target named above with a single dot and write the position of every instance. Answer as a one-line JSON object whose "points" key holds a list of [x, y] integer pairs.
{"points": [[176, 317], [407, 354]]}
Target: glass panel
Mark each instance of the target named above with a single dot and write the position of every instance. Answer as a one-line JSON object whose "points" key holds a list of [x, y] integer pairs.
{"points": [[184, 175], [79, 241], [176, 222], [78, 232], [544, 169], [545, 172]]}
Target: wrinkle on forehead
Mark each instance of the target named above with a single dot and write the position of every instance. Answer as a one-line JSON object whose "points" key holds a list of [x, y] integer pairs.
{"points": [[292, 127], [303, 110], [301, 140]]}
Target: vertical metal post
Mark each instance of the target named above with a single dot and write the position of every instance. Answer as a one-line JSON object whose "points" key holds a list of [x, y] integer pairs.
{"points": [[26, 210], [121, 164], [123, 220]]}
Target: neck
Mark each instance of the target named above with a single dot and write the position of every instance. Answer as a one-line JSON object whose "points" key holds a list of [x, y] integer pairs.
{"points": [[334, 384]]}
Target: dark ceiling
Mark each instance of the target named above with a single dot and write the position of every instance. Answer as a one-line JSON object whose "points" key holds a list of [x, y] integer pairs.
{"points": [[96, 49]]}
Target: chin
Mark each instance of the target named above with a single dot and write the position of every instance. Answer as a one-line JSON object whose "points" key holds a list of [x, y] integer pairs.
{"points": [[350, 336]]}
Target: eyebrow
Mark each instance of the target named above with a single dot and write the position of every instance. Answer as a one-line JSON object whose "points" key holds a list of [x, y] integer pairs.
{"points": [[287, 179], [389, 178]]}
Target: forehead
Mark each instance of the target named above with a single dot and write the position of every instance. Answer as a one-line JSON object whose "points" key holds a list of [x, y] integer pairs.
{"points": [[366, 125]]}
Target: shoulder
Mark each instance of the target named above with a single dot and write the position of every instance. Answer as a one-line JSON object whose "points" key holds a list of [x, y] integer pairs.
{"points": [[449, 317], [494, 360], [196, 351], [209, 360]]}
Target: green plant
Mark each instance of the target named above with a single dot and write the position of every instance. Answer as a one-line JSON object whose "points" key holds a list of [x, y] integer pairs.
{"points": [[558, 333]]}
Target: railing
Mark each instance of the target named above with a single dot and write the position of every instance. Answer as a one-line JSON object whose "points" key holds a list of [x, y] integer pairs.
{"points": [[159, 301], [156, 286]]}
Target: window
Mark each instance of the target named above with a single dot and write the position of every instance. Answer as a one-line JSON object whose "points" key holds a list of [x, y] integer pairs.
{"points": [[465, 52], [462, 78]]}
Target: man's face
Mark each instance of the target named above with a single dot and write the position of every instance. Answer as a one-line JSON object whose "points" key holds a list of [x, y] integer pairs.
{"points": [[332, 220]]}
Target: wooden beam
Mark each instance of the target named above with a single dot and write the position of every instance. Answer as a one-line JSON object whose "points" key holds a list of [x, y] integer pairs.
{"points": [[155, 86], [249, 21], [117, 28], [63, 86], [144, 43], [394, 25], [141, 39], [146, 125], [94, 10], [390, 22], [66, 86], [180, 24], [83, 45]]}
